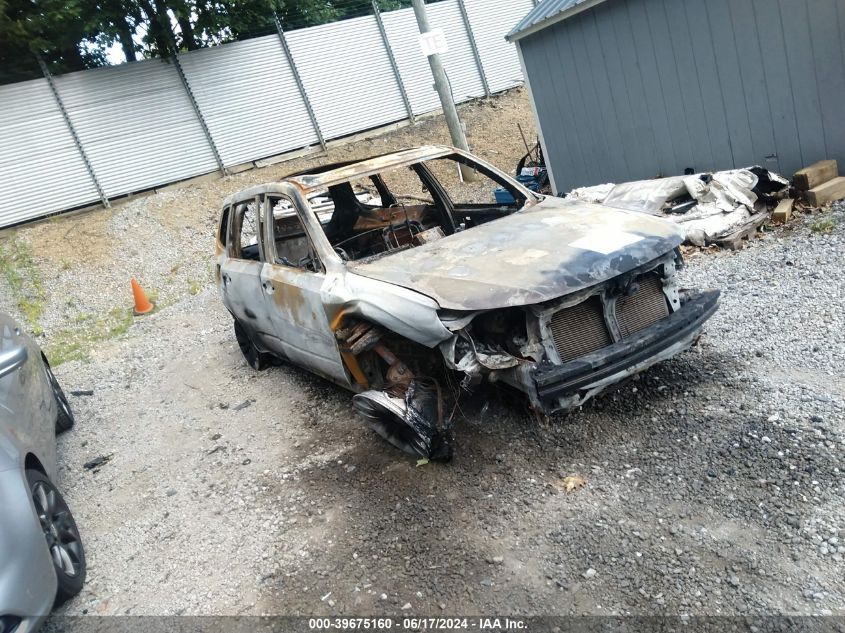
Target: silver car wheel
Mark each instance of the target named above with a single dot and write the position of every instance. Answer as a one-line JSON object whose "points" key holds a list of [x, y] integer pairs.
{"points": [[62, 536]]}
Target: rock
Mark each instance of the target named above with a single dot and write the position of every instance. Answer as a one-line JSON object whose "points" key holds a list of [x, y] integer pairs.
{"points": [[406, 606], [733, 580], [589, 573], [96, 462]]}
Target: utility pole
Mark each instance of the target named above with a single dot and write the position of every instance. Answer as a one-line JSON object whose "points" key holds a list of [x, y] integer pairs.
{"points": [[441, 84]]}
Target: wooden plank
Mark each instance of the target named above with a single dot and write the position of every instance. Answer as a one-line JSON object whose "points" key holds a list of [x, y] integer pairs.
{"points": [[828, 192], [815, 175], [783, 211]]}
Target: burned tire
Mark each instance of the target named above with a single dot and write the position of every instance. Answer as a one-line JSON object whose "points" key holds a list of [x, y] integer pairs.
{"points": [[61, 535], [255, 358], [389, 417], [391, 426], [65, 418]]}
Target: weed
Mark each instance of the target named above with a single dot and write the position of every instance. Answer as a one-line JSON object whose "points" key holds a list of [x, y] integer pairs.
{"points": [[24, 279], [77, 343], [825, 225]]}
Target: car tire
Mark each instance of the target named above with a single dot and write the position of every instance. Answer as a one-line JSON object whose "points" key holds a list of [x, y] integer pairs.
{"points": [[61, 535], [65, 418], [255, 358]]}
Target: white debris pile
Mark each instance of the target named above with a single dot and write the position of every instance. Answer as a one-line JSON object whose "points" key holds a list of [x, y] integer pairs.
{"points": [[711, 207]]}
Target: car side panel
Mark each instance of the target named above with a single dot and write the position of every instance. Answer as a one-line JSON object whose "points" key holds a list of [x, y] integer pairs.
{"points": [[294, 304], [242, 294], [27, 577], [28, 409]]}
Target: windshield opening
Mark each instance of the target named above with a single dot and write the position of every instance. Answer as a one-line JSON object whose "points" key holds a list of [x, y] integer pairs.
{"points": [[406, 207]]}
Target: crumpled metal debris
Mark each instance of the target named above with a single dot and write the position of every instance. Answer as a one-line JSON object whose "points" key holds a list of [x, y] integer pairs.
{"points": [[708, 206]]}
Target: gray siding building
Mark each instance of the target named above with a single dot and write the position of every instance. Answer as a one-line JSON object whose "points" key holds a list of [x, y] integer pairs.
{"points": [[632, 89]]}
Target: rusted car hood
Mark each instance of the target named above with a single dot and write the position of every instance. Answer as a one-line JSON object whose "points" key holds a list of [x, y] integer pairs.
{"points": [[555, 248]]}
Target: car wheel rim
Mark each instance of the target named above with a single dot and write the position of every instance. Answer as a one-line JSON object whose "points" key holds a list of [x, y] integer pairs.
{"points": [[57, 391], [59, 529]]}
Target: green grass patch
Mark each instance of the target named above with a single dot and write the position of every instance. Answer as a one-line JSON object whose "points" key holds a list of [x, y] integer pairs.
{"points": [[194, 287], [825, 225], [24, 279], [76, 343]]}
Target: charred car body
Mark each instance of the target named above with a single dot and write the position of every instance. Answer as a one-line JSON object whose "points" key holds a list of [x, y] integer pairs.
{"points": [[390, 275]]}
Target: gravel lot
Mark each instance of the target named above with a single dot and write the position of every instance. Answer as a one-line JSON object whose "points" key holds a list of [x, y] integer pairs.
{"points": [[714, 481]]}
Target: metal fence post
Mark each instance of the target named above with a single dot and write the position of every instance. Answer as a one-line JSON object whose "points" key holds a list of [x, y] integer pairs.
{"points": [[389, 50], [474, 47], [299, 83], [198, 114], [49, 77]]}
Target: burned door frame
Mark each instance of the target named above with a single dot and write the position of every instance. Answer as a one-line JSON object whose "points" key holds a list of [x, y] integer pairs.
{"points": [[295, 299], [241, 278]]}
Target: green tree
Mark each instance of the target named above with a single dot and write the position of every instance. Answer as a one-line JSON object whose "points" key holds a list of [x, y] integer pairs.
{"points": [[75, 34]]}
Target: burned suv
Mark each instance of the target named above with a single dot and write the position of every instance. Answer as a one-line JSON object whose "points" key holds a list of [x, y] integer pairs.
{"points": [[410, 277]]}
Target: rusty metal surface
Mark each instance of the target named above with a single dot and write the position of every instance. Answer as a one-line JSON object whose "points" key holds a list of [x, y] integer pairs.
{"points": [[309, 183], [552, 254], [528, 257]]}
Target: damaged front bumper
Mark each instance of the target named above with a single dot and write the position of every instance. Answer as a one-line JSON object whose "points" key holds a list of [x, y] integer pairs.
{"points": [[554, 387]]}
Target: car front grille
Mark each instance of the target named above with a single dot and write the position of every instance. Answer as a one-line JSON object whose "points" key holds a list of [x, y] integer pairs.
{"points": [[579, 330], [643, 308]]}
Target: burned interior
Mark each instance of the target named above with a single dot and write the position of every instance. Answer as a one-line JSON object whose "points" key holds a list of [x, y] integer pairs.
{"points": [[395, 209], [414, 277]]}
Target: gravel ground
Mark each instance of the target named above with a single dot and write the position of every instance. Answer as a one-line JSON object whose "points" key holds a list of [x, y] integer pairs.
{"points": [[714, 482]]}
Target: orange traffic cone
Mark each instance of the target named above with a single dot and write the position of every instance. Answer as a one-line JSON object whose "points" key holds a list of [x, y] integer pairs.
{"points": [[142, 304]]}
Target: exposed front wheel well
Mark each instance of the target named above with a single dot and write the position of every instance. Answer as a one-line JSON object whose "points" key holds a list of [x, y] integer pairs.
{"points": [[31, 462]]}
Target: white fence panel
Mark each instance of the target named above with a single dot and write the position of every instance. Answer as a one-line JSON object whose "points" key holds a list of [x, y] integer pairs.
{"points": [[490, 20], [458, 61], [139, 128], [249, 99], [42, 171], [136, 124], [403, 33], [347, 75]]}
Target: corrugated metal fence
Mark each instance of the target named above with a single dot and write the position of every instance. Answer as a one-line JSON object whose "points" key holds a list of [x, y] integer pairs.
{"points": [[89, 136]]}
